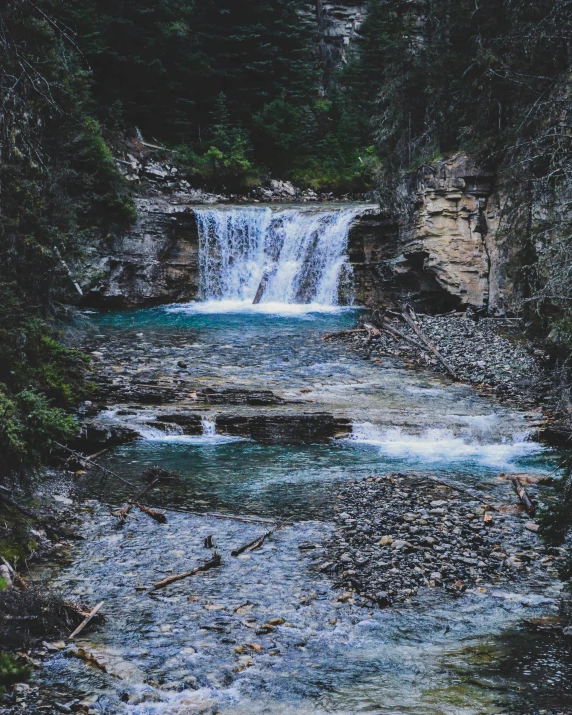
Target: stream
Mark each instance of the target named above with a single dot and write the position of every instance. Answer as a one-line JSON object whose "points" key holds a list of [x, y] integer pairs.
{"points": [[265, 632]]}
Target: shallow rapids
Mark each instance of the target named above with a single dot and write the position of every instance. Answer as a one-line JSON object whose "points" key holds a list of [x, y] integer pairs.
{"points": [[208, 644]]}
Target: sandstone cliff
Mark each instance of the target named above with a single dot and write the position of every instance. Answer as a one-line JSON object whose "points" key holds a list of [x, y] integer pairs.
{"points": [[452, 237]]}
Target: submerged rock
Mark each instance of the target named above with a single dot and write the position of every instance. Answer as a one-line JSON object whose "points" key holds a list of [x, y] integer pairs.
{"points": [[299, 428]]}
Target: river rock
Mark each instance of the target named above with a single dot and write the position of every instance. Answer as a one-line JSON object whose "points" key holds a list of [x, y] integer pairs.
{"points": [[443, 550]]}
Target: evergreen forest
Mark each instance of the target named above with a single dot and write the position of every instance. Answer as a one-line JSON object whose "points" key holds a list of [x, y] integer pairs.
{"points": [[241, 92]]}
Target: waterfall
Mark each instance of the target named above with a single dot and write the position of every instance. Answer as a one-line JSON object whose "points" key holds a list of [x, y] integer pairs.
{"points": [[302, 253], [209, 427]]}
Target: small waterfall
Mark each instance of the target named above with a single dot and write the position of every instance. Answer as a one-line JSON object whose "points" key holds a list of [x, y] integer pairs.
{"points": [[301, 251], [209, 427]]}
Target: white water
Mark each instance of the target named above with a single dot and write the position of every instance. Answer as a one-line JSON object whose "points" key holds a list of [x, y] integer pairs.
{"points": [[442, 446], [302, 251], [170, 433]]}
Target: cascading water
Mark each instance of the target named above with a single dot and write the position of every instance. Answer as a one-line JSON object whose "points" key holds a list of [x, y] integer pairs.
{"points": [[301, 253]]}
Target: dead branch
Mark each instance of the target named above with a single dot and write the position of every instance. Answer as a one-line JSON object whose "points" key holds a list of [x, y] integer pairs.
{"points": [[79, 455], [211, 564], [255, 543], [388, 328], [122, 514], [158, 516], [413, 325], [86, 620], [523, 496]]}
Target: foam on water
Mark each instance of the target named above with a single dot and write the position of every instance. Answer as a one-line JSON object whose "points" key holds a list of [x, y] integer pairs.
{"points": [[442, 446], [213, 307], [152, 434]]}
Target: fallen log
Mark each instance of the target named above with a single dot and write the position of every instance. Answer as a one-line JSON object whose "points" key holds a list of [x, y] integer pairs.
{"points": [[523, 496], [417, 330], [388, 328], [86, 620], [158, 516], [211, 564]]}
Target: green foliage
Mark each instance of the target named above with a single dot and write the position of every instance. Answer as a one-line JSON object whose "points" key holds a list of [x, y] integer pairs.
{"points": [[29, 428], [12, 670], [59, 187], [226, 165]]}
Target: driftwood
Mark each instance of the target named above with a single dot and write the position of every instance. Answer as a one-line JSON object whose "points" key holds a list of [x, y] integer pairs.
{"points": [[211, 564], [255, 543], [158, 516], [122, 514], [156, 146], [523, 496], [228, 517], [392, 330], [86, 620], [413, 325], [208, 542]]}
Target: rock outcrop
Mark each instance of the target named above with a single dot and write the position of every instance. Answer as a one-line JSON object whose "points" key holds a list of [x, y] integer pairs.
{"points": [[454, 221], [338, 22], [156, 261], [442, 249]]}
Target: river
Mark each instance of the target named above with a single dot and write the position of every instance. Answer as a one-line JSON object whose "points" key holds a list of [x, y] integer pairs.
{"points": [[203, 644]]}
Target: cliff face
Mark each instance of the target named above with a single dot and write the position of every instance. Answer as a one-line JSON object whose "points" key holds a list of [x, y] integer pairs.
{"points": [[156, 261], [338, 22], [443, 252], [453, 233]]}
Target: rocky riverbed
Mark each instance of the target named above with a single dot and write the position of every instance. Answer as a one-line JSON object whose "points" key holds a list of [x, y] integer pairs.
{"points": [[399, 534], [490, 354]]}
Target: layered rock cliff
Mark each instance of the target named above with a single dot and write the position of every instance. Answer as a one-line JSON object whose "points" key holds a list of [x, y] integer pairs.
{"points": [[442, 251], [452, 236]]}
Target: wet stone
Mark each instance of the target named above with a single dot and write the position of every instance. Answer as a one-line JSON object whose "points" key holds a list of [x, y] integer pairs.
{"points": [[401, 562]]}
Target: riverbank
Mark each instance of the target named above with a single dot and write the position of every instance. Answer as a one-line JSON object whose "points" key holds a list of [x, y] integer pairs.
{"points": [[263, 632], [492, 355], [403, 535]]}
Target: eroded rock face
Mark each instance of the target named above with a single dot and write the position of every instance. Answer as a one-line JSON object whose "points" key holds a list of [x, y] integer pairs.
{"points": [[155, 261], [338, 22], [454, 218], [442, 250]]}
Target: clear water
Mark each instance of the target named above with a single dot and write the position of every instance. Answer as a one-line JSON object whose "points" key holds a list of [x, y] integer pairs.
{"points": [[198, 645], [174, 651]]}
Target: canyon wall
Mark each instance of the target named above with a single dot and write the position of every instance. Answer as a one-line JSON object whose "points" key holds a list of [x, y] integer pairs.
{"points": [[441, 252]]}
